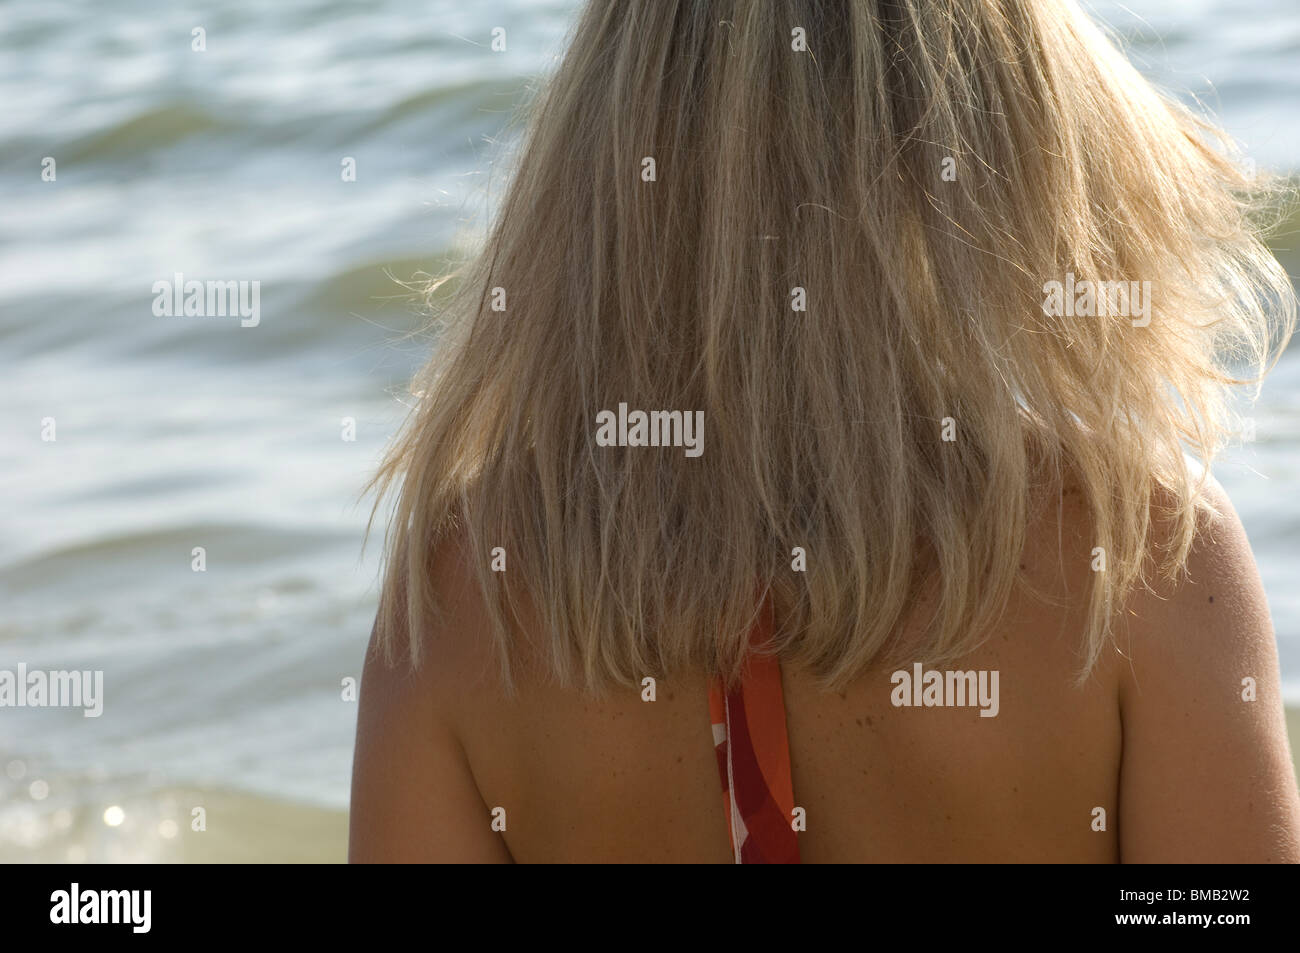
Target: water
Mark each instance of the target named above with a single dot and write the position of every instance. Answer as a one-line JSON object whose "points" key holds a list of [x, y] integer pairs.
{"points": [[225, 689]]}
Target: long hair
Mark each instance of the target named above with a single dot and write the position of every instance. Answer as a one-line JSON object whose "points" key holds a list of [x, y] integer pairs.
{"points": [[855, 237]]}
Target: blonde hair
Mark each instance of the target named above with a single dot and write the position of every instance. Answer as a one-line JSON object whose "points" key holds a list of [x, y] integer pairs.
{"points": [[775, 169]]}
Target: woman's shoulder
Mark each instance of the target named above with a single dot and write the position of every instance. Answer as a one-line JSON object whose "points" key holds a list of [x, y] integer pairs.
{"points": [[1207, 771]]}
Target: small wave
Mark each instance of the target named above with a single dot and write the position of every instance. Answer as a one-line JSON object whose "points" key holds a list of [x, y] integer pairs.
{"points": [[394, 287], [129, 551], [157, 127], [494, 96]]}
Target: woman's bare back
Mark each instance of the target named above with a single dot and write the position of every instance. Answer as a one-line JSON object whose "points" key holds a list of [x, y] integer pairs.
{"points": [[1158, 757]]}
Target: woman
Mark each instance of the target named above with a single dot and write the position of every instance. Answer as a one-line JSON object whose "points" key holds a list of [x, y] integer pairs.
{"points": [[802, 476]]}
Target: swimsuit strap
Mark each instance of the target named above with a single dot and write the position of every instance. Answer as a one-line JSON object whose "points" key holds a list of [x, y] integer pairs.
{"points": [[754, 757]]}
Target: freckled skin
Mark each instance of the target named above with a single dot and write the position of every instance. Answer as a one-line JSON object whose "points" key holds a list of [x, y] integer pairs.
{"points": [[1158, 737]]}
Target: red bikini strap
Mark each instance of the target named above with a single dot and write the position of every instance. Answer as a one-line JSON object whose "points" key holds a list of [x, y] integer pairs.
{"points": [[749, 735]]}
